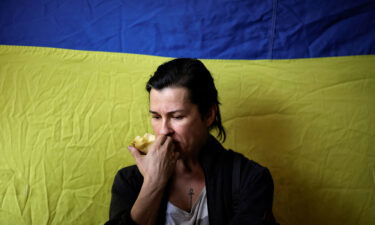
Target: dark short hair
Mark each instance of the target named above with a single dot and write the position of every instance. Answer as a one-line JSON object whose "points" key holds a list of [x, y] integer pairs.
{"points": [[193, 75]]}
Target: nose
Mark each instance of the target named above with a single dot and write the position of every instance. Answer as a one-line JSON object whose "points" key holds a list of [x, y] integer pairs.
{"points": [[166, 128]]}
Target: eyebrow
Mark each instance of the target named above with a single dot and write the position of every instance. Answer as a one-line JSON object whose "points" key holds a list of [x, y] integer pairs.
{"points": [[171, 112]]}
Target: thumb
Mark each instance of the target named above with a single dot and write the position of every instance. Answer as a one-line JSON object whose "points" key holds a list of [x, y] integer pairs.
{"points": [[134, 151]]}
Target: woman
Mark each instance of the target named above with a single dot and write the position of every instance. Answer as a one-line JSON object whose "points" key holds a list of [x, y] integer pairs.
{"points": [[187, 177]]}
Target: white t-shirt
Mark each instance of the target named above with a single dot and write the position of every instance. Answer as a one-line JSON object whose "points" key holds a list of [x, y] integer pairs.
{"points": [[197, 216]]}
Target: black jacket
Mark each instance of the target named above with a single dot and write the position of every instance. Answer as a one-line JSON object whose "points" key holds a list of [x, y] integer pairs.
{"points": [[253, 204]]}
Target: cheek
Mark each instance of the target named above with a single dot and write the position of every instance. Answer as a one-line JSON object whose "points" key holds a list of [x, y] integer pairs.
{"points": [[155, 127], [178, 130], [185, 131]]}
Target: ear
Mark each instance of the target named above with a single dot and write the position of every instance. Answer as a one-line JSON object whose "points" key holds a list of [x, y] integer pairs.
{"points": [[211, 115]]}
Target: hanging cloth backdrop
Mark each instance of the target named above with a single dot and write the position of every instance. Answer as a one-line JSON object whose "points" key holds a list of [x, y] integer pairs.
{"points": [[296, 80]]}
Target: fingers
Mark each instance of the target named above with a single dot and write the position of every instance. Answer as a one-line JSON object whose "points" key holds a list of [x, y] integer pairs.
{"points": [[176, 155], [169, 144], [160, 140]]}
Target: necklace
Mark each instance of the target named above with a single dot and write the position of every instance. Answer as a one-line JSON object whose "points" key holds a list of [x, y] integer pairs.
{"points": [[191, 193]]}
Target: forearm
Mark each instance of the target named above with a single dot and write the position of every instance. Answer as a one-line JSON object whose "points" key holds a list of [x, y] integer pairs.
{"points": [[156, 168], [146, 207]]}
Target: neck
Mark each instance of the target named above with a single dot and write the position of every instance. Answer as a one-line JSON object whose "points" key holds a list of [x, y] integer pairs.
{"points": [[187, 166]]}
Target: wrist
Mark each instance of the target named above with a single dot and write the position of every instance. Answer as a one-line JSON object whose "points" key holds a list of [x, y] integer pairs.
{"points": [[154, 183]]}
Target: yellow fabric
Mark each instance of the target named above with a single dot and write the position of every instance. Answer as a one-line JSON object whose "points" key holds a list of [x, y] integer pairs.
{"points": [[66, 117]]}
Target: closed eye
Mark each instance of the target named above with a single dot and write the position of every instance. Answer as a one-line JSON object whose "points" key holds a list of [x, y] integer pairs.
{"points": [[155, 116], [178, 117]]}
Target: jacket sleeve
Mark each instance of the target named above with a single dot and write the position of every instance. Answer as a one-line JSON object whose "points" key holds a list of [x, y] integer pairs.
{"points": [[125, 190], [255, 196]]}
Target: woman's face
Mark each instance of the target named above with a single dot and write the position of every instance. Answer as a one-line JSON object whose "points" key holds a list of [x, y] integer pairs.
{"points": [[174, 115]]}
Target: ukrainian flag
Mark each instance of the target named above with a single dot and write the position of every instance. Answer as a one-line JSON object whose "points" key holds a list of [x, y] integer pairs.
{"points": [[295, 80]]}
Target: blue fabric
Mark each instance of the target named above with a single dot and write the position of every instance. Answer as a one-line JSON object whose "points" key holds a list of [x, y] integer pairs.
{"points": [[256, 29]]}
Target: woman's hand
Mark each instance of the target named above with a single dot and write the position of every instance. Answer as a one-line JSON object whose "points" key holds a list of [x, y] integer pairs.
{"points": [[156, 167], [159, 163]]}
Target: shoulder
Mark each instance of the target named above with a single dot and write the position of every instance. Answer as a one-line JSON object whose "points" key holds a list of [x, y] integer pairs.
{"points": [[129, 176], [249, 169], [126, 186], [221, 158], [129, 172]]}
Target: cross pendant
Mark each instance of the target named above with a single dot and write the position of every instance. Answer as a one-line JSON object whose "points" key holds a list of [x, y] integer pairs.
{"points": [[191, 193]]}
